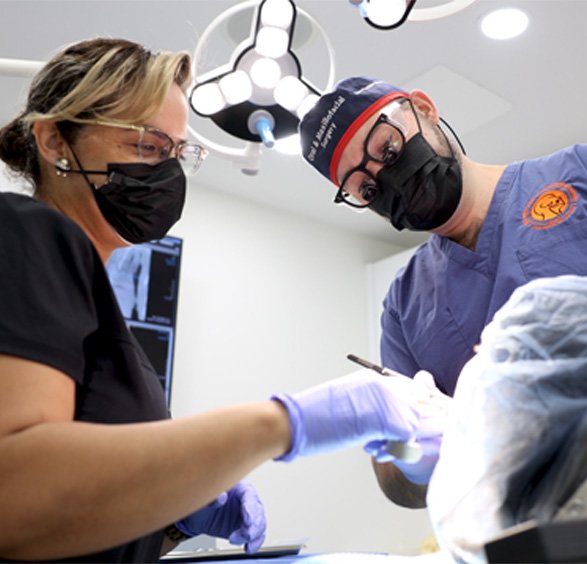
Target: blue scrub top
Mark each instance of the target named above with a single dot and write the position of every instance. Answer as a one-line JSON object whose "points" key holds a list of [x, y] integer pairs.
{"points": [[439, 303]]}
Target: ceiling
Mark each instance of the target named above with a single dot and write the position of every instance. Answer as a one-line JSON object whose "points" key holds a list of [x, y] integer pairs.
{"points": [[507, 100]]}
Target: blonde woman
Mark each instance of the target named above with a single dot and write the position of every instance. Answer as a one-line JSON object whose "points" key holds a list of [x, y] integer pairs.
{"points": [[86, 445]]}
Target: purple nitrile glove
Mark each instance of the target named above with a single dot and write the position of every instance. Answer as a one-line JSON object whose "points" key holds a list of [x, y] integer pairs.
{"points": [[237, 515], [361, 407], [433, 409], [417, 471]]}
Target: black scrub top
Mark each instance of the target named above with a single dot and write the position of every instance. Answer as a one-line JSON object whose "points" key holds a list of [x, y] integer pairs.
{"points": [[58, 308]]}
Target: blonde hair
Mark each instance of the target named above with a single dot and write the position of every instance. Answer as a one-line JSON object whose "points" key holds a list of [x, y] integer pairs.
{"points": [[96, 79]]}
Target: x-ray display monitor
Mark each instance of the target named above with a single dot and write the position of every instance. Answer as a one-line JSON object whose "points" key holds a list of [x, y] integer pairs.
{"points": [[145, 279]]}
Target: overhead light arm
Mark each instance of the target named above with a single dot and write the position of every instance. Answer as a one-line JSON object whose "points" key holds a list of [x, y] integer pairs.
{"points": [[442, 10], [20, 67]]}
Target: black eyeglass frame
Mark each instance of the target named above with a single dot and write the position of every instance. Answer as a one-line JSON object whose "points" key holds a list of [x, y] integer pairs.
{"points": [[339, 198], [383, 118]]}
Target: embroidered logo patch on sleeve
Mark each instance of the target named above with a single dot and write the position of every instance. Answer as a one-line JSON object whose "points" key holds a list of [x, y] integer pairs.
{"points": [[551, 206]]}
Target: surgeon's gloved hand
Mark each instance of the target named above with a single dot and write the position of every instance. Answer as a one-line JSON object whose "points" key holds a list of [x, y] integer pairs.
{"points": [[237, 515], [417, 470], [418, 459], [361, 407]]}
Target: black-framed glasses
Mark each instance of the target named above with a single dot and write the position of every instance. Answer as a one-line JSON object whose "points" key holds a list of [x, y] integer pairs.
{"points": [[153, 145], [383, 144]]}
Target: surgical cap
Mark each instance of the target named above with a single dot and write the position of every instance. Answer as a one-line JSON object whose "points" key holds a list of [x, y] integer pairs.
{"points": [[329, 126]]}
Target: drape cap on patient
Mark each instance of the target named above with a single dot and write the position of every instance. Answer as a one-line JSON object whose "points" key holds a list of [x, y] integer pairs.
{"points": [[328, 127]]}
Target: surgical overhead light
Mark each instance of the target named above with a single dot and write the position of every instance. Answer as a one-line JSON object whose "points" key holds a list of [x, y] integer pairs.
{"points": [[261, 94], [389, 14]]}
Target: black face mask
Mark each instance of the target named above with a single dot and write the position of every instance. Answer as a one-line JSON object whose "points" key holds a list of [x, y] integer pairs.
{"points": [[421, 190], [141, 201]]}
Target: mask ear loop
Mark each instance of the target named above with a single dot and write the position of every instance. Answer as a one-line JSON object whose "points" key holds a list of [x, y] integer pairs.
{"points": [[444, 122], [83, 171]]}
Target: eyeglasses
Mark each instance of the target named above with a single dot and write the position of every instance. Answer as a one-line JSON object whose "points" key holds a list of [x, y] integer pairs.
{"points": [[384, 144], [153, 145]]}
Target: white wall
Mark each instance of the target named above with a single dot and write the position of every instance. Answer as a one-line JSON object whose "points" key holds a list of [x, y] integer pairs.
{"points": [[10, 183], [270, 302]]}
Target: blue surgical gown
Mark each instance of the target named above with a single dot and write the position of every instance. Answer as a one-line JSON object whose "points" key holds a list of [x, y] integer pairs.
{"points": [[438, 305]]}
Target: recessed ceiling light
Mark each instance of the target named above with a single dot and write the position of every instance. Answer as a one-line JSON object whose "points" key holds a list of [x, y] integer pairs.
{"points": [[504, 23]]}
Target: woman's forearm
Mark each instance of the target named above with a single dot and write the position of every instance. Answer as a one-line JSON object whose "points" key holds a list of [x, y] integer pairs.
{"points": [[81, 487]]}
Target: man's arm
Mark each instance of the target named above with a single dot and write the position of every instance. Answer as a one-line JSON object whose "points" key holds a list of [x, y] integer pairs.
{"points": [[398, 488]]}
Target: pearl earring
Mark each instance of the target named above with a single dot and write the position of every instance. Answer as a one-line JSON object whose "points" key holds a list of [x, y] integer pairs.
{"points": [[62, 166]]}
